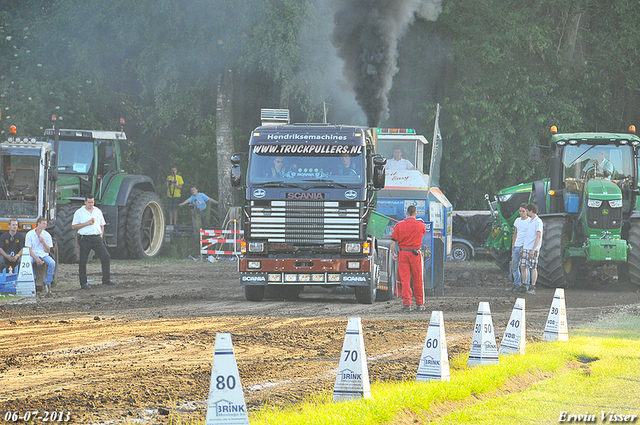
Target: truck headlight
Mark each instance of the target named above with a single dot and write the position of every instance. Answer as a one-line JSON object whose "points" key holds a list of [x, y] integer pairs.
{"points": [[274, 277], [256, 247], [352, 248], [594, 203], [254, 264], [353, 265], [616, 203]]}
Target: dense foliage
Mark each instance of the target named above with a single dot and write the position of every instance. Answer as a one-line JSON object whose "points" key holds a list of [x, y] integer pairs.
{"points": [[504, 72]]}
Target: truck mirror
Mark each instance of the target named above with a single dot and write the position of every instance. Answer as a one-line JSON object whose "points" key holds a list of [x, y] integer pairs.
{"points": [[236, 171], [236, 175], [534, 154], [379, 160], [379, 175]]}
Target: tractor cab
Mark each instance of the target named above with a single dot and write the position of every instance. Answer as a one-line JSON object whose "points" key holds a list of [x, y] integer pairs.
{"points": [[87, 161]]}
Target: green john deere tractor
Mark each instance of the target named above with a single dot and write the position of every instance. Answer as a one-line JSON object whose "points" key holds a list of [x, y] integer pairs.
{"points": [[90, 162], [589, 205]]}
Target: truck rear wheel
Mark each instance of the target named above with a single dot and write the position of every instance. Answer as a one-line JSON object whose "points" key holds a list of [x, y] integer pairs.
{"points": [[367, 294], [553, 269], [633, 256], [386, 294], [145, 226], [68, 249], [254, 292]]}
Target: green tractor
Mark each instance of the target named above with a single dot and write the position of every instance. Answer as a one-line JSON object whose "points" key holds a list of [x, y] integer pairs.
{"points": [[90, 162], [589, 205]]}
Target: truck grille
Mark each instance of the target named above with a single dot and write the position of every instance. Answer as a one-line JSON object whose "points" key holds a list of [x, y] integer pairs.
{"points": [[604, 217], [305, 222]]}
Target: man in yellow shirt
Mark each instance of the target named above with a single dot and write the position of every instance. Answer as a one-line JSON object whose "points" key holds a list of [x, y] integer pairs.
{"points": [[174, 186]]}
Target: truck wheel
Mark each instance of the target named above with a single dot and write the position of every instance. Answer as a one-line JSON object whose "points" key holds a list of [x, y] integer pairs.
{"points": [[367, 294], [553, 270], [145, 226], [254, 292], [386, 294], [633, 256], [460, 252], [68, 249]]}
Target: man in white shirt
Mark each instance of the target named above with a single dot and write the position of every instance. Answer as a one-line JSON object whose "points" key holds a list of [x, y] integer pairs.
{"points": [[397, 162], [517, 242], [39, 242], [89, 222], [531, 249]]}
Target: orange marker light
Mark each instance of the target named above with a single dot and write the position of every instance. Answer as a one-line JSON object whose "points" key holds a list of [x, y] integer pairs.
{"points": [[632, 129], [552, 192], [554, 129]]}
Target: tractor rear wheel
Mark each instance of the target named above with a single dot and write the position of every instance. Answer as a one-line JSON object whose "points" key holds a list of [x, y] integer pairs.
{"points": [[67, 244], [553, 269], [633, 256], [145, 226]]}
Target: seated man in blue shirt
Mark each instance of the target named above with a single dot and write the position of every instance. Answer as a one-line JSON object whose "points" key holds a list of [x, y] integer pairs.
{"points": [[39, 242]]}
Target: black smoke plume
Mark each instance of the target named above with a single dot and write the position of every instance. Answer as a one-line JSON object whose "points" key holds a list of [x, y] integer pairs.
{"points": [[366, 35]]}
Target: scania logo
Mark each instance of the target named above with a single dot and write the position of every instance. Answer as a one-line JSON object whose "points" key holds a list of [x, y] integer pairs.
{"points": [[354, 279], [259, 193], [253, 278], [300, 195], [350, 194]]}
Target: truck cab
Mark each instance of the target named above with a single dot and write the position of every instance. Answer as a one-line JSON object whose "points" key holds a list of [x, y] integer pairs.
{"points": [[309, 195], [27, 181]]}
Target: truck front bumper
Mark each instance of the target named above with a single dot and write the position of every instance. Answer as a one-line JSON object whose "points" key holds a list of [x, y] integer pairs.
{"points": [[269, 271]]}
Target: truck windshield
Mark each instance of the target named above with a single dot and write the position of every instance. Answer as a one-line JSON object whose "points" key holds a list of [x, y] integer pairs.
{"points": [[344, 168], [75, 156], [607, 162]]}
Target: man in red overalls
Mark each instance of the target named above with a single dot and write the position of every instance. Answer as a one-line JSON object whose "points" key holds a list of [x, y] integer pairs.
{"points": [[408, 235]]}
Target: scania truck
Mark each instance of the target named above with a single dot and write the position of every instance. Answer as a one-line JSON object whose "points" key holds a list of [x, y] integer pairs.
{"points": [[309, 195]]}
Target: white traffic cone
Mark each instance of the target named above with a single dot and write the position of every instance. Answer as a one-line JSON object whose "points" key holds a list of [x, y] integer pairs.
{"points": [[352, 381], [556, 328], [434, 361], [26, 284], [483, 346], [226, 403], [513, 340]]}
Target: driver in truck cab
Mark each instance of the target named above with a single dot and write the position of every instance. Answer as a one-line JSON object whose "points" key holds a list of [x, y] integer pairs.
{"points": [[278, 168], [347, 167]]}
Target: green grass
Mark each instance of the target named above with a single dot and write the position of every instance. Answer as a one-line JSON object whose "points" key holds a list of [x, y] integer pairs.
{"points": [[596, 371]]}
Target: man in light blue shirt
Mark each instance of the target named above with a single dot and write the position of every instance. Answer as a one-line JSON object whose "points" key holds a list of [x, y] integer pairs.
{"points": [[200, 201]]}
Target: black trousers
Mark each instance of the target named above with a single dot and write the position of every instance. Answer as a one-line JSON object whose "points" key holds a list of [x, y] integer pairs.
{"points": [[95, 242]]}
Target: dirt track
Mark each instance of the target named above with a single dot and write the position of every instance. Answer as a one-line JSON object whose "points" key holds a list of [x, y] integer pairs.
{"points": [[145, 348]]}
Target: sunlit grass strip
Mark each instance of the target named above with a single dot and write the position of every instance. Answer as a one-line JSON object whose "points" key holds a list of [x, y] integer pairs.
{"points": [[390, 399]]}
